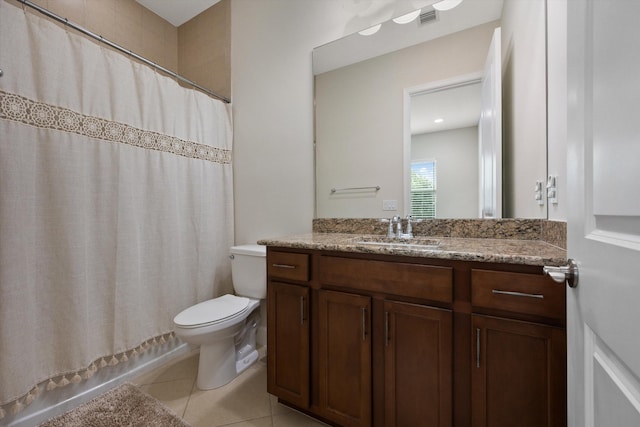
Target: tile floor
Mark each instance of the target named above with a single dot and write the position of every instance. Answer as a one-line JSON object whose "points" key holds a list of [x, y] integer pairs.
{"points": [[244, 402]]}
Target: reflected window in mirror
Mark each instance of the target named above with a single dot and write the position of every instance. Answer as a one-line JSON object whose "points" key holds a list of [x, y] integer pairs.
{"points": [[423, 189]]}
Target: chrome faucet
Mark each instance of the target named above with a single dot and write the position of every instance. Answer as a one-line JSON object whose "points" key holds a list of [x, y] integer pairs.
{"points": [[398, 221], [390, 230], [397, 233], [409, 233]]}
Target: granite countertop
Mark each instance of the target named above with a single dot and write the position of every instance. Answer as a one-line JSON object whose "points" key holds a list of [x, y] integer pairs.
{"points": [[509, 251]]}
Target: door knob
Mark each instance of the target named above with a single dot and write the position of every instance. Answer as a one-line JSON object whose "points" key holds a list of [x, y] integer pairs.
{"points": [[567, 274]]}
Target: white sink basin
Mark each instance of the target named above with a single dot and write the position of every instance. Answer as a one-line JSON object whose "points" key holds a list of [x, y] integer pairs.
{"points": [[409, 243]]}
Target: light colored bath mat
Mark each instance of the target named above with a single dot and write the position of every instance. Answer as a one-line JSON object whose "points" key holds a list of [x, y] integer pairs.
{"points": [[125, 405]]}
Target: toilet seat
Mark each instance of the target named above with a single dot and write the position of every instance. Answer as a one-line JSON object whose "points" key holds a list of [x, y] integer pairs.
{"points": [[212, 311]]}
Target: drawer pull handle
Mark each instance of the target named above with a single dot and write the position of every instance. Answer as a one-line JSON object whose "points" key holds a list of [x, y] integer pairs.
{"points": [[283, 266], [517, 294], [364, 323], [477, 347], [386, 328]]}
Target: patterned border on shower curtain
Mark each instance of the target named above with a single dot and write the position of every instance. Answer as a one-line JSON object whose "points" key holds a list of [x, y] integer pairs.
{"points": [[24, 110], [16, 406]]}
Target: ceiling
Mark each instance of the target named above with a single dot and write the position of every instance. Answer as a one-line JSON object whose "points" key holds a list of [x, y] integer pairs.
{"points": [[177, 12], [457, 107], [391, 36]]}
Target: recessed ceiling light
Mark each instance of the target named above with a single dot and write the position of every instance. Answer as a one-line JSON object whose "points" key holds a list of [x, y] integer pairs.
{"points": [[371, 30], [438, 121], [405, 19]]}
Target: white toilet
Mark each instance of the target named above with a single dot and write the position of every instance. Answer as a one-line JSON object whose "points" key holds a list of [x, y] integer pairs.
{"points": [[225, 327]]}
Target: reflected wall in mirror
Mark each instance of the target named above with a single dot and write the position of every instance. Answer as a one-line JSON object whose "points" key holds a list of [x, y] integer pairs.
{"points": [[444, 151], [360, 117]]}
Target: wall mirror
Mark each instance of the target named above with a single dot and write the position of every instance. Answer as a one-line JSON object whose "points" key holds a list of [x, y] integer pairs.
{"points": [[364, 100]]}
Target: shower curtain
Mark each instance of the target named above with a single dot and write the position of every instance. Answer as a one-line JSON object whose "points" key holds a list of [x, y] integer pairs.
{"points": [[116, 207]]}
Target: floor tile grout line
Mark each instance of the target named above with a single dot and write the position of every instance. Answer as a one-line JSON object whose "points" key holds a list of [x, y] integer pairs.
{"points": [[162, 382], [244, 421], [193, 385]]}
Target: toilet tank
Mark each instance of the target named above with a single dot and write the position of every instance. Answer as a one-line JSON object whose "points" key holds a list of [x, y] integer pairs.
{"points": [[249, 270]]}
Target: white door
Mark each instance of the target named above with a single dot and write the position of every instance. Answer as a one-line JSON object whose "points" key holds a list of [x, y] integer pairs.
{"points": [[604, 212], [490, 133]]}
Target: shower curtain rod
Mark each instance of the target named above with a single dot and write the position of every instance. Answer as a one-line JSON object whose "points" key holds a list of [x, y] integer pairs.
{"points": [[98, 37]]}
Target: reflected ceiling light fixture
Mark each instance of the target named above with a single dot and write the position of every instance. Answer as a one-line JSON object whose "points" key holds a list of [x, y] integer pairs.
{"points": [[446, 4], [371, 30], [438, 121], [405, 19]]}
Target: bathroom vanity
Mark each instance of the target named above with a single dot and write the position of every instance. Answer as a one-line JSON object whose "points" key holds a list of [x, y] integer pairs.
{"points": [[470, 333]]}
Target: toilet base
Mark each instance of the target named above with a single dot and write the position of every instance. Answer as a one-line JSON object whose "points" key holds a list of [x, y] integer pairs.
{"points": [[217, 364], [223, 360]]}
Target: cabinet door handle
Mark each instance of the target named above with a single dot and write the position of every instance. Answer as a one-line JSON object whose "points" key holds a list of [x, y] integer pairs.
{"points": [[477, 347], [364, 323], [302, 310], [517, 294], [283, 266], [386, 328]]}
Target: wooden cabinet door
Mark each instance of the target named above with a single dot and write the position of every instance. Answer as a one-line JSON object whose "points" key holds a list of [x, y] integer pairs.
{"points": [[518, 374], [288, 342], [345, 358], [417, 363]]}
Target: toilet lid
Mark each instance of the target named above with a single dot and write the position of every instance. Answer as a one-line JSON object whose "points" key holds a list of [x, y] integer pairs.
{"points": [[211, 311]]}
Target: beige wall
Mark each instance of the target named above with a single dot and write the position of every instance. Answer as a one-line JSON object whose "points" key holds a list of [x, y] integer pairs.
{"points": [[123, 22], [272, 90], [204, 48], [456, 154], [524, 107], [198, 50], [557, 116]]}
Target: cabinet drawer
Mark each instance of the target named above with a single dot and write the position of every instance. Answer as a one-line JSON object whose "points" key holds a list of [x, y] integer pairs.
{"points": [[287, 265], [411, 280], [518, 292]]}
